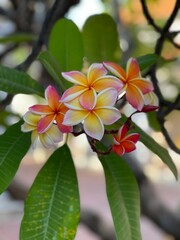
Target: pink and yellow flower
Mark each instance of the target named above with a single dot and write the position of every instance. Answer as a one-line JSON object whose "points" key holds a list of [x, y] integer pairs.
{"points": [[84, 87], [133, 84], [53, 112], [93, 116], [48, 138], [123, 142]]}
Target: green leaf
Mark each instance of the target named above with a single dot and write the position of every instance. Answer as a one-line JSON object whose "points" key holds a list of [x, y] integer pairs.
{"points": [[18, 38], [153, 122], [66, 45], [13, 147], [150, 143], [14, 81], [123, 196], [101, 39], [52, 205], [52, 66], [155, 147], [147, 60]]}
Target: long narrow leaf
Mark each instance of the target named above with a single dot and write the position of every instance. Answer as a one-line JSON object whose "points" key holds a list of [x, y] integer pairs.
{"points": [[155, 147], [52, 206], [123, 196], [14, 81], [150, 143], [147, 60], [13, 146], [18, 38]]}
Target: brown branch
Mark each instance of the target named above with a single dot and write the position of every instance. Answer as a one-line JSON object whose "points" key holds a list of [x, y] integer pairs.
{"points": [[58, 10], [165, 30], [151, 21], [164, 106]]}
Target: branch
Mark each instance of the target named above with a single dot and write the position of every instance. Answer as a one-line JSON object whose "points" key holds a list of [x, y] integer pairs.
{"points": [[6, 13], [151, 21], [165, 107], [165, 29], [58, 10], [14, 4]]}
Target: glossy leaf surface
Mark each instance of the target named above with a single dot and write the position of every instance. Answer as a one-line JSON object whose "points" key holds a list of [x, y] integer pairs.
{"points": [[101, 39], [14, 81], [123, 196], [13, 146], [66, 45], [52, 205]]}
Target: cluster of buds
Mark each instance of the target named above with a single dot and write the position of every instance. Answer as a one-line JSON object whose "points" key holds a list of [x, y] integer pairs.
{"points": [[91, 102]]}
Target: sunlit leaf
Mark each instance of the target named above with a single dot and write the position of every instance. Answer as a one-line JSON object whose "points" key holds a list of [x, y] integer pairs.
{"points": [[123, 196], [52, 205], [101, 39], [14, 81], [13, 146], [66, 45]]}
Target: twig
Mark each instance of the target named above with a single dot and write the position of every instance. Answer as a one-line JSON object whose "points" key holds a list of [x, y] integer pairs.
{"points": [[164, 33], [14, 4], [42, 36], [165, 29], [6, 13], [151, 21]]}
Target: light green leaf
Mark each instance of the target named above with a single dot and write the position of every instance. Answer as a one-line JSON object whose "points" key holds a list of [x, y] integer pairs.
{"points": [[13, 146], [18, 38], [14, 81], [66, 45], [101, 39], [123, 196], [156, 148], [52, 205], [52, 66]]}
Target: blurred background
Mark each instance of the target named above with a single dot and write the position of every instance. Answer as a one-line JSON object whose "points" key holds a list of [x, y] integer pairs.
{"points": [[137, 38]]}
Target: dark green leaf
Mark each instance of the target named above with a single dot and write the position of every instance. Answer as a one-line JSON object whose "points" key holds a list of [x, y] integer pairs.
{"points": [[150, 143], [66, 45], [147, 60], [123, 196], [52, 206], [160, 151], [13, 146], [101, 39], [14, 81], [153, 122], [18, 38], [52, 66]]}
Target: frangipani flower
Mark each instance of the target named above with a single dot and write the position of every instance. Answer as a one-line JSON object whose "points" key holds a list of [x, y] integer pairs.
{"points": [[123, 142], [94, 116], [48, 138], [96, 79], [133, 84], [54, 111]]}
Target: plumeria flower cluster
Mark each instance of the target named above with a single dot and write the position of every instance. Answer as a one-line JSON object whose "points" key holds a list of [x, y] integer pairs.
{"points": [[91, 102]]}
